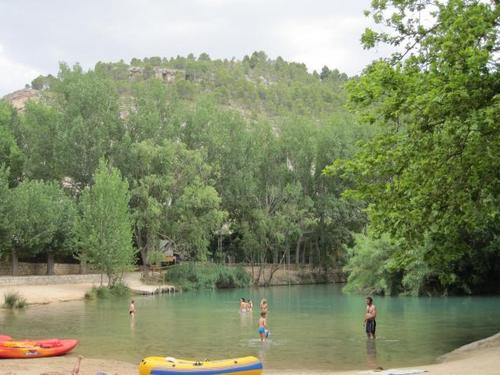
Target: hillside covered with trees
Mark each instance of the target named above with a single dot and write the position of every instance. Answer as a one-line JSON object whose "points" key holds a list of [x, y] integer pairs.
{"points": [[223, 159], [393, 175]]}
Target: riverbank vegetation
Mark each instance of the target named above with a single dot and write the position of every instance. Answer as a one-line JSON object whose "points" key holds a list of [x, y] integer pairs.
{"points": [[14, 300], [104, 292], [193, 276], [223, 160]]}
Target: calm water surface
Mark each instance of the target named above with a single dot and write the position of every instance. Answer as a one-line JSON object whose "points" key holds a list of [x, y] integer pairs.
{"points": [[313, 327]]}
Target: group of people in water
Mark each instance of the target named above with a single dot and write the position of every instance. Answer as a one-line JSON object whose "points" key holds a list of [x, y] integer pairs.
{"points": [[246, 305]]}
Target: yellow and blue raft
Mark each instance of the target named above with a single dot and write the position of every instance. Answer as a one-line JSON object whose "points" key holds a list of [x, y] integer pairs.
{"points": [[173, 366]]}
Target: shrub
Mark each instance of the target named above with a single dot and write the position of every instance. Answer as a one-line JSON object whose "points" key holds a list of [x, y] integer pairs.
{"points": [[120, 290], [103, 292], [189, 276], [90, 295], [100, 292], [372, 267], [14, 300]]}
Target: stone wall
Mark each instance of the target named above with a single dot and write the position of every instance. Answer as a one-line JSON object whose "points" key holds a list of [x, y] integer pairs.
{"points": [[297, 275], [49, 280], [28, 269]]}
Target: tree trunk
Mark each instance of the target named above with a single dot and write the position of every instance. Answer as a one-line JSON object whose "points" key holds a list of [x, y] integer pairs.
{"points": [[15, 263], [318, 253], [83, 267], [50, 263], [297, 251], [274, 267], [311, 257], [144, 256]]}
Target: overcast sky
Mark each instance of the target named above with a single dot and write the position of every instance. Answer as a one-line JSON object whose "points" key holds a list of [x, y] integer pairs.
{"points": [[37, 34]]}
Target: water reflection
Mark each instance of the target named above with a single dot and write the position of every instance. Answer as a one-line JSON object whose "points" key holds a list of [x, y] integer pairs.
{"points": [[371, 354]]}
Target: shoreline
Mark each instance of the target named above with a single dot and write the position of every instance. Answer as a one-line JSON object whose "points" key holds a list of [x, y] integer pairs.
{"points": [[45, 293], [479, 357]]}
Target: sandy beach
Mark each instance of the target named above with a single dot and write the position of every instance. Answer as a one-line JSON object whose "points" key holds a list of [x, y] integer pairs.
{"points": [[480, 357]]}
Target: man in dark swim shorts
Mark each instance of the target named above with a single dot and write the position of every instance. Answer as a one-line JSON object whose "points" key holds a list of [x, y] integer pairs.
{"points": [[371, 314]]}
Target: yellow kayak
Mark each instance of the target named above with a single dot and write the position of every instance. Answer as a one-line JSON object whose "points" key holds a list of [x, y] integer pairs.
{"points": [[173, 366]]}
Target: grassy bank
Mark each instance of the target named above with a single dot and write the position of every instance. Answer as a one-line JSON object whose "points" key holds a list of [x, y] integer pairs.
{"points": [[192, 276]]}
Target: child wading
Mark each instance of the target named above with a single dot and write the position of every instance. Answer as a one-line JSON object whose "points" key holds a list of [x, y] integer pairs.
{"points": [[263, 331]]}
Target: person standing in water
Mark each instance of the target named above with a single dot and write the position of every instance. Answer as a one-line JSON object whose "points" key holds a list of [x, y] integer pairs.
{"points": [[264, 308], [131, 309], [263, 332], [243, 305], [371, 314]]}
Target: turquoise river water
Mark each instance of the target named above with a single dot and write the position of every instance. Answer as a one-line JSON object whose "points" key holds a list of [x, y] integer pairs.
{"points": [[312, 327]]}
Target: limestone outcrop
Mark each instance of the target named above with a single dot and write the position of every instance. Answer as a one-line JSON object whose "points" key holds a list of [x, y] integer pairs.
{"points": [[19, 98]]}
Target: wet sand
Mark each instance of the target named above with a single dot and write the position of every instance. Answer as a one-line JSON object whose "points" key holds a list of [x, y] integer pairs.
{"points": [[481, 357]]}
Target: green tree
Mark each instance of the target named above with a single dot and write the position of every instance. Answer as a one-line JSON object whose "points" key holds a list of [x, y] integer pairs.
{"points": [[431, 176], [103, 231], [5, 223], [172, 199], [10, 153], [42, 139], [41, 218], [90, 128]]}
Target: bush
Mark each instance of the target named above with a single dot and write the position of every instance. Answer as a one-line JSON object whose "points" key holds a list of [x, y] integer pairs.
{"points": [[103, 292], [372, 267], [100, 292], [207, 276], [120, 290], [14, 300]]}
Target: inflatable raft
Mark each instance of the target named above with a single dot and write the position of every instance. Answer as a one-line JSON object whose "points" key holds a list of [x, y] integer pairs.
{"points": [[34, 348], [172, 366]]}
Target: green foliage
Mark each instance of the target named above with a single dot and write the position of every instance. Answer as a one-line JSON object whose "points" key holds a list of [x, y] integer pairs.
{"points": [[431, 175], [13, 300], [5, 223], [88, 109], [191, 275], [371, 267], [223, 159], [156, 257], [104, 231], [43, 220], [11, 155], [120, 290], [98, 292]]}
